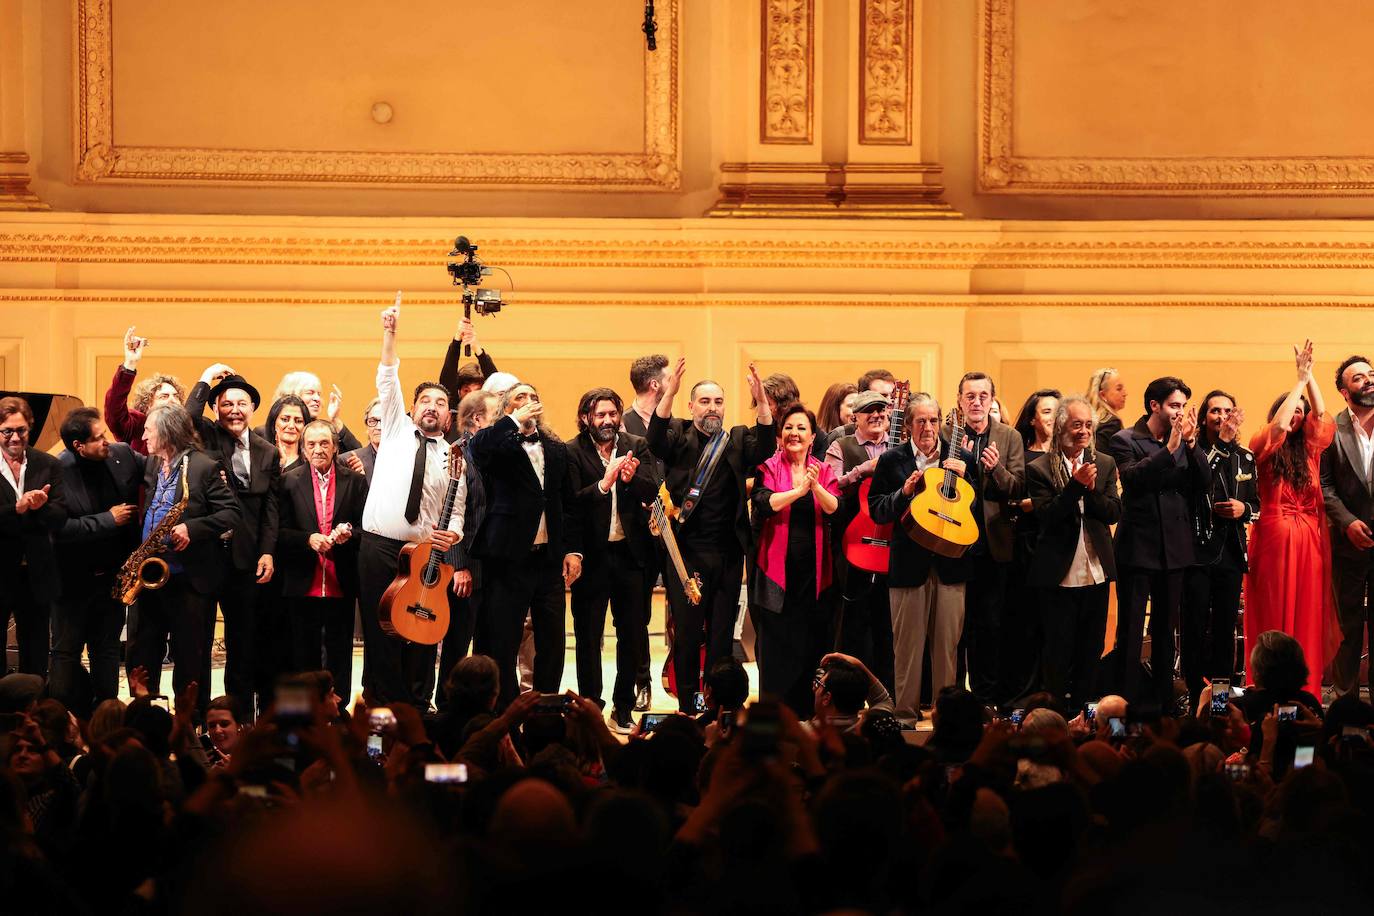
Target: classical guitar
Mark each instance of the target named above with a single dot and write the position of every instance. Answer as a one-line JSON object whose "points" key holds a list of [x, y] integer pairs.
{"points": [[415, 604], [661, 514], [865, 541], [940, 517]]}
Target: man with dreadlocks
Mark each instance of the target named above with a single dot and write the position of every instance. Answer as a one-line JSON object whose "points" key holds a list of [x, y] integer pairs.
{"points": [[1289, 585], [1076, 499]]}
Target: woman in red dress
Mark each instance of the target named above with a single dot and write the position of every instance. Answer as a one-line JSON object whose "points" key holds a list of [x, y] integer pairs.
{"points": [[1289, 584]]}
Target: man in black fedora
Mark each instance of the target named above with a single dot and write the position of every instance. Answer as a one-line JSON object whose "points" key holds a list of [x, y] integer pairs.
{"points": [[252, 468]]}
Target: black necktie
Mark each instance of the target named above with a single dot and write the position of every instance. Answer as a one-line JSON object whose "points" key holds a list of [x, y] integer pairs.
{"points": [[417, 480]]}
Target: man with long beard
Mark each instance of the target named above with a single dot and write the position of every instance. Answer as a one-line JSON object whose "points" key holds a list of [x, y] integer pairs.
{"points": [[705, 465], [408, 486], [612, 484]]}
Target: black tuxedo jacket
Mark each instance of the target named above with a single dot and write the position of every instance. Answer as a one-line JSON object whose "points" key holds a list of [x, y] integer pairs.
{"points": [[1060, 519], [909, 563], [595, 506], [295, 561], [1156, 530], [211, 510], [1346, 489], [88, 521], [678, 443], [29, 537], [515, 499], [460, 556], [256, 532]]}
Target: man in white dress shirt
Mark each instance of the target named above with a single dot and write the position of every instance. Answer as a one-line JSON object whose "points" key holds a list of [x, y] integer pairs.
{"points": [[408, 483]]}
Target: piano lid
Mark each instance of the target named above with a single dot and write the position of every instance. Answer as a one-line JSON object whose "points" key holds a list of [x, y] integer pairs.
{"points": [[49, 410]]}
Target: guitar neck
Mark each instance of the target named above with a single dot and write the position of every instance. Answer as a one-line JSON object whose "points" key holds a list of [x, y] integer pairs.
{"points": [[665, 531], [445, 516]]}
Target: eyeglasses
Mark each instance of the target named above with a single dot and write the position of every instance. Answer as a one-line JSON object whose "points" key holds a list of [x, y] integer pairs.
{"points": [[818, 679], [20, 431], [373, 422]]}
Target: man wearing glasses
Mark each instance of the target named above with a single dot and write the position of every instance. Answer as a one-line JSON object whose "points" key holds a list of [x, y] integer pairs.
{"points": [[362, 459], [31, 511], [997, 471]]}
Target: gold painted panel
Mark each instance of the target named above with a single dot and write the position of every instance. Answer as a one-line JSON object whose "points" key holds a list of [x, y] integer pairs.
{"points": [[787, 79], [1232, 97], [886, 72], [170, 127]]}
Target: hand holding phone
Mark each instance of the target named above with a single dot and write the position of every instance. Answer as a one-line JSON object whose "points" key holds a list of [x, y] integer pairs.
{"points": [[1221, 697]]}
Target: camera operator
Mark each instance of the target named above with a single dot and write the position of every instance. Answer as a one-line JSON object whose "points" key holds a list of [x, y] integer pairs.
{"points": [[843, 686]]}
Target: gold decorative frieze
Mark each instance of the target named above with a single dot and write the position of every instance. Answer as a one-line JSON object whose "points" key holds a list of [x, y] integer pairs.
{"points": [[1003, 170], [787, 77], [99, 157], [886, 72]]}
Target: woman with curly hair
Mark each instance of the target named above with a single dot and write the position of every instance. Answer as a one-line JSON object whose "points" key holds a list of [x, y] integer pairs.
{"points": [[1288, 587]]}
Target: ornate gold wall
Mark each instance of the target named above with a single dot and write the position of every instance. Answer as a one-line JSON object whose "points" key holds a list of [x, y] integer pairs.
{"points": [[250, 182]]}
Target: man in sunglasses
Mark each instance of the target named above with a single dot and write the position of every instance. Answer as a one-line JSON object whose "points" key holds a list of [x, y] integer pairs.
{"points": [[31, 511]]}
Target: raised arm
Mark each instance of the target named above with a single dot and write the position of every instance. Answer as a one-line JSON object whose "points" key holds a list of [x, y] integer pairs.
{"points": [[390, 319]]}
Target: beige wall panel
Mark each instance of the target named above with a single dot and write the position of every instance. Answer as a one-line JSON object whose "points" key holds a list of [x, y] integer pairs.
{"points": [[1173, 97], [260, 74]]}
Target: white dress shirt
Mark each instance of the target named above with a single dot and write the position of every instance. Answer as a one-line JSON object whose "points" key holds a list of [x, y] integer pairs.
{"points": [[535, 451], [1366, 442], [384, 513], [18, 483], [617, 532], [1085, 569]]}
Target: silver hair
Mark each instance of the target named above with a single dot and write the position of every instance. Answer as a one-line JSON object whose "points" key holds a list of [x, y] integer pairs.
{"points": [[175, 429], [1058, 473]]}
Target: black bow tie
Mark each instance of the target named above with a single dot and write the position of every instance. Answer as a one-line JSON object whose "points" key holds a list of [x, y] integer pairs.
{"points": [[532, 437]]}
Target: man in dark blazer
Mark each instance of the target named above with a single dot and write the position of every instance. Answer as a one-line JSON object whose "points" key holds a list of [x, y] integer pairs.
{"points": [[252, 467], [182, 610], [647, 375], [1221, 512], [321, 526], [1161, 466], [706, 465], [1347, 478], [530, 542], [362, 459], [613, 484], [926, 591], [1076, 500], [995, 630], [101, 481], [32, 510]]}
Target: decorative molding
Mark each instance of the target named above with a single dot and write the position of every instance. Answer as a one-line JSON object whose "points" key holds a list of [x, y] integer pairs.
{"points": [[787, 81], [886, 72], [14, 183], [122, 300], [996, 249], [837, 349], [99, 158], [1002, 171]]}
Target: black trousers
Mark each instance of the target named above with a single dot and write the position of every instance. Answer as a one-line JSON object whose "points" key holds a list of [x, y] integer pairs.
{"points": [[393, 668], [711, 621], [1021, 634], [791, 644], [866, 624], [1211, 598], [86, 616], [1074, 624], [1163, 590], [238, 600], [175, 612], [273, 643], [31, 623], [611, 576], [463, 617], [533, 585], [1354, 582], [984, 603], [323, 624]]}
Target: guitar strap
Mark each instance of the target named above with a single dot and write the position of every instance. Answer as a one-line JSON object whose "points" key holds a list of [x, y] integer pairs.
{"points": [[706, 468]]}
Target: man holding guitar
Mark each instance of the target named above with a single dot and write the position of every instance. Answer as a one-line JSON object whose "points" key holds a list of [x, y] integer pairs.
{"points": [[926, 589], [705, 464], [410, 480], [866, 625]]}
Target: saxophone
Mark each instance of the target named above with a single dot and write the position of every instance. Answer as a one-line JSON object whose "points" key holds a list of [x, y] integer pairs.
{"points": [[144, 569]]}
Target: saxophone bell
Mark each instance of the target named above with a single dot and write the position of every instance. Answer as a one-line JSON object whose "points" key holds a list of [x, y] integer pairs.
{"points": [[152, 574]]}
